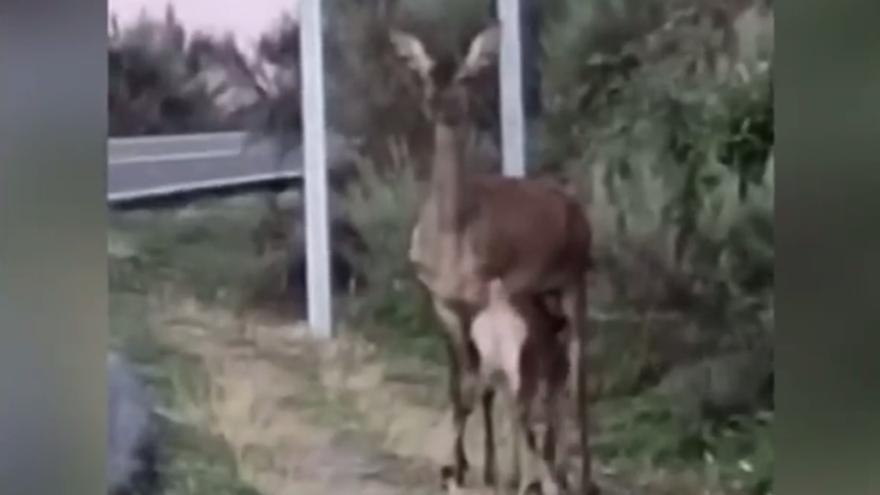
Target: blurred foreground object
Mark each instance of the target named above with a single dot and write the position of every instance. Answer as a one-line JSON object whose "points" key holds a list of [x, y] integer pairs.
{"points": [[132, 435]]}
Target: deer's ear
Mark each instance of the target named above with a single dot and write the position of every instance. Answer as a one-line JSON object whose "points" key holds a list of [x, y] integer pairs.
{"points": [[413, 52], [482, 53]]}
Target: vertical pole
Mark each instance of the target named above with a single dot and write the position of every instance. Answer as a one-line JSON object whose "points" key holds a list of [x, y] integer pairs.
{"points": [[315, 162], [510, 78]]}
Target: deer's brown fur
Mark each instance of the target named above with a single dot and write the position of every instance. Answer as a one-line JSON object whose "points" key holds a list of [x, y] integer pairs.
{"points": [[530, 235]]}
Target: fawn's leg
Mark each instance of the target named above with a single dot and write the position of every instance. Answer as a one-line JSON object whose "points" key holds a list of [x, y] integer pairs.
{"points": [[490, 465]]}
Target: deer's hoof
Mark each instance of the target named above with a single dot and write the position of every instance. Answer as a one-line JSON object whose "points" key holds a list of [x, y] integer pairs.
{"points": [[447, 476], [451, 476], [533, 488], [489, 477], [511, 483]]}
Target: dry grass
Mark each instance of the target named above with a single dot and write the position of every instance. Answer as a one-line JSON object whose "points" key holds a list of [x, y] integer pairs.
{"points": [[303, 416], [292, 409], [295, 415]]}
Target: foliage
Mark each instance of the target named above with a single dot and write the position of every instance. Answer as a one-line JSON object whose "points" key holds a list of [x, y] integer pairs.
{"points": [[163, 80], [149, 82], [732, 452], [192, 460], [276, 113], [669, 135], [208, 251], [382, 206], [672, 145]]}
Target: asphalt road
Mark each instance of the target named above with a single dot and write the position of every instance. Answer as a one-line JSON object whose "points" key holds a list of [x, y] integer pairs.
{"points": [[156, 166]]}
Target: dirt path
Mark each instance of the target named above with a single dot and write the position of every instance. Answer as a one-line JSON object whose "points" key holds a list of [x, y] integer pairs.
{"points": [[323, 418], [312, 418]]}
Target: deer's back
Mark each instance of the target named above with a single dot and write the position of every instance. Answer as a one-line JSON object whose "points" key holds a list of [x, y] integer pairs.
{"points": [[528, 233], [529, 229]]}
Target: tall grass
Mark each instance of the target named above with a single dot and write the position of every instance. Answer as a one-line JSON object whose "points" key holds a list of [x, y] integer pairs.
{"points": [[193, 461], [382, 205], [208, 249]]}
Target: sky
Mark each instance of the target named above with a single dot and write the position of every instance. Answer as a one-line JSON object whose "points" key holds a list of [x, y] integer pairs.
{"points": [[245, 19]]}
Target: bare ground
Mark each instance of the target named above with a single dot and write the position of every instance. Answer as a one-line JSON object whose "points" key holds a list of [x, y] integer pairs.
{"points": [[304, 417], [337, 417]]}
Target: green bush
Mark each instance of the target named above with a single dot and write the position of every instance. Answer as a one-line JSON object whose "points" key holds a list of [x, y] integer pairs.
{"points": [[731, 454], [671, 147], [208, 251], [382, 206], [152, 85], [670, 137]]}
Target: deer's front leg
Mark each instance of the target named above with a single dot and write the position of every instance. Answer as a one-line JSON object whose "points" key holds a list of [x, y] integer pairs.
{"points": [[463, 390], [464, 395]]}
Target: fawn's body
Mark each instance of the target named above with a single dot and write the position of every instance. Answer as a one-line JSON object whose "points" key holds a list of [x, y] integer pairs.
{"points": [[523, 349]]}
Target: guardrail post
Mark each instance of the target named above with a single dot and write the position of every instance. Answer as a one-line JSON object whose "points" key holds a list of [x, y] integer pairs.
{"points": [[315, 164], [510, 68]]}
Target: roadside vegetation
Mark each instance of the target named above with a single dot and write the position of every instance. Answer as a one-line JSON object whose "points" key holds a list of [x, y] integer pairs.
{"points": [[193, 460]]}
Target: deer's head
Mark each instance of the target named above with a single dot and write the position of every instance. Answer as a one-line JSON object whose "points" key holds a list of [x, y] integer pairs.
{"points": [[446, 87]]}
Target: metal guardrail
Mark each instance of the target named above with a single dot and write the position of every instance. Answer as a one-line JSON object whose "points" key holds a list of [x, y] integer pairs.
{"points": [[160, 166]]}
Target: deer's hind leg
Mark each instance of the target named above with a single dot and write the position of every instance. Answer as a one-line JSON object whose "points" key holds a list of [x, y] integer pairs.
{"points": [[533, 478], [490, 463], [574, 302], [555, 467]]}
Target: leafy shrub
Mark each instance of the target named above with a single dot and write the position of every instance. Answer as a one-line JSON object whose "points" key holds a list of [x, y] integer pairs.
{"points": [[731, 454], [670, 136], [382, 206], [671, 147], [207, 251], [152, 86]]}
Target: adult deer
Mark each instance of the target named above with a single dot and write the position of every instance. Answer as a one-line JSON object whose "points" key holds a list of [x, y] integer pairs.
{"points": [[473, 228]]}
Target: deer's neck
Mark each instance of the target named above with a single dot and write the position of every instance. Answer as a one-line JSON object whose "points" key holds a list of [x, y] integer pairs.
{"points": [[448, 181]]}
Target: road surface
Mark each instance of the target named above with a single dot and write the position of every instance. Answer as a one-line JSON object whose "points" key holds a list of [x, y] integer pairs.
{"points": [[156, 166]]}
